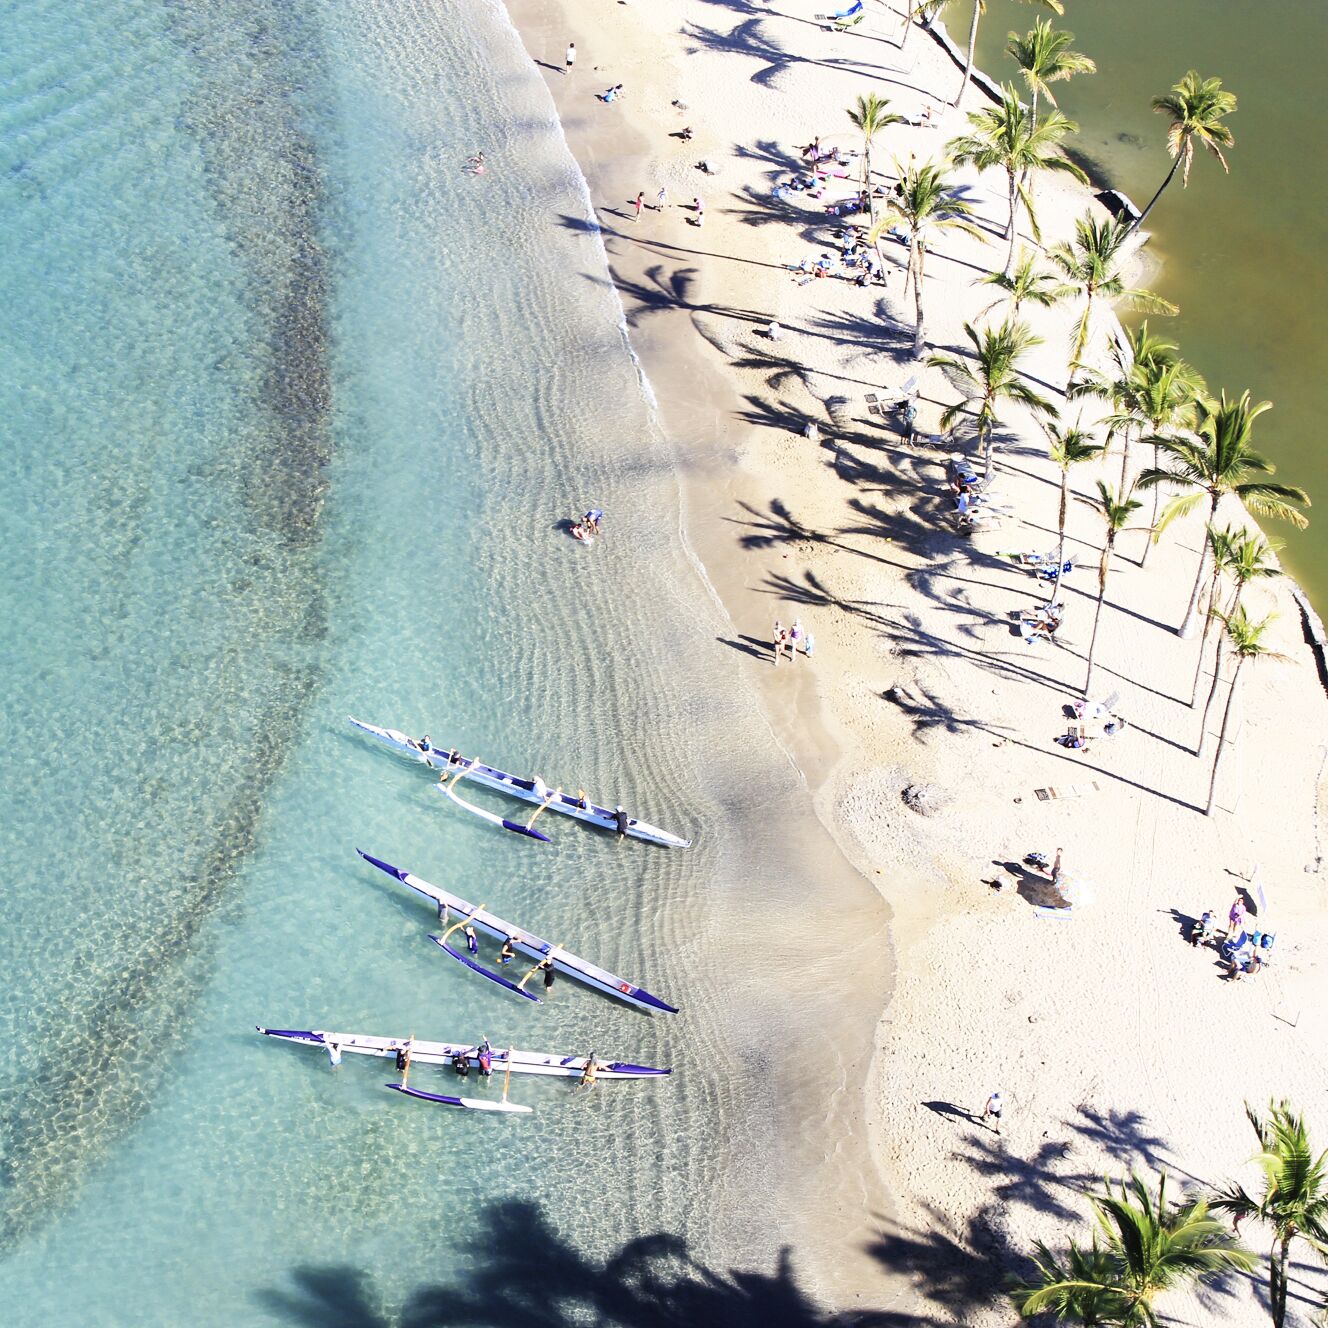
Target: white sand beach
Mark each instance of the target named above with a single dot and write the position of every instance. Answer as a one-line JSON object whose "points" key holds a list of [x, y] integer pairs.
{"points": [[1115, 1045]]}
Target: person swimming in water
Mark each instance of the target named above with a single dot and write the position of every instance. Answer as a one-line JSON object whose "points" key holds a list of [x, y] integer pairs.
{"points": [[475, 164]]}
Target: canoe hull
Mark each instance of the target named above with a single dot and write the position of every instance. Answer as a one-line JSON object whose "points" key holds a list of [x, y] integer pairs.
{"points": [[490, 777]]}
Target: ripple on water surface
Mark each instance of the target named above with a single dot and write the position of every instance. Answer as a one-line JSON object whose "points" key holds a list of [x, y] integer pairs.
{"points": [[301, 405]]}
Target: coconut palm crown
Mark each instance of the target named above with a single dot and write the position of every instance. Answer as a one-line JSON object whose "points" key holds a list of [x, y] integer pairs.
{"points": [[1219, 460], [1004, 138], [1197, 107]]}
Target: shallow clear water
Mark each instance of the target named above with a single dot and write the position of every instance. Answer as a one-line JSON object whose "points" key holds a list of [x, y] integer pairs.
{"points": [[1243, 253], [296, 406]]}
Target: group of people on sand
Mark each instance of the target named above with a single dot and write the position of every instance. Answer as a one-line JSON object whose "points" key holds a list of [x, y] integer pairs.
{"points": [[588, 527], [1042, 623], [791, 639], [1245, 952]]}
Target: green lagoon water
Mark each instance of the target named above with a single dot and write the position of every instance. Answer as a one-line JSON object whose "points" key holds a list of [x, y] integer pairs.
{"points": [[294, 407], [1243, 254]]}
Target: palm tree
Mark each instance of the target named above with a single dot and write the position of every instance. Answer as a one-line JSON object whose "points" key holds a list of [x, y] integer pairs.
{"points": [[1044, 57], [980, 8], [1115, 513], [921, 11], [1149, 1247], [1196, 107], [1152, 393], [926, 203], [1295, 1194], [1245, 638], [871, 115], [992, 378], [1003, 137], [1079, 1291], [1067, 447], [1218, 461], [1245, 558], [1090, 269], [1026, 282]]}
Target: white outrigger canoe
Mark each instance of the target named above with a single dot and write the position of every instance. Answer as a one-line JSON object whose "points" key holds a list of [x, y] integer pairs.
{"points": [[545, 953], [402, 1050], [532, 790], [422, 1052]]}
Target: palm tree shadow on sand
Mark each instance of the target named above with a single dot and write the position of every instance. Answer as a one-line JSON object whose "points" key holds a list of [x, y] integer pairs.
{"points": [[528, 1277]]}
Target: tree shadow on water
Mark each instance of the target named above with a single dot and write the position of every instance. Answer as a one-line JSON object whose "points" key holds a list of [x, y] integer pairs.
{"points": [[527, 1276]]}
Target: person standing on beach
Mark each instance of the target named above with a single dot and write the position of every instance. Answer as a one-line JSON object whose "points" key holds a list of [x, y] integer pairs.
{"points": [[661, 200], [571, 57], [777, 640], [699, 208], [993, 1111], [808, 643], [639, 203], [795, 639]]}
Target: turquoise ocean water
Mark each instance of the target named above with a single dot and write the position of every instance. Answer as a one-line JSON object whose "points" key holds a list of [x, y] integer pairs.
{"points": [[295, 406]]}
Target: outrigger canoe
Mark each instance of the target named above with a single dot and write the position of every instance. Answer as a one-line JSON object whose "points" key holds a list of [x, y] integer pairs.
{"points": [[528, 790], [446, 1053], [545, 953], [404, 1047]]}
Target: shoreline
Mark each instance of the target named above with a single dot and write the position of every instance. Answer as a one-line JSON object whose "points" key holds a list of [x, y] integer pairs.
{"points": [[745, 464]]}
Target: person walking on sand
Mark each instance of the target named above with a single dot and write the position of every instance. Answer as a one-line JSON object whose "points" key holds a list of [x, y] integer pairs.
{"points": [[661, 200], [993, 1111], [639, 203], [795, 639], [571, 57], [777, 640], [808, 644], [699, 208]]}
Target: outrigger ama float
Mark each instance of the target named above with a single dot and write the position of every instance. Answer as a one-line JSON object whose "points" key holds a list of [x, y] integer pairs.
{"points": [[547, 956], [456, 767]]}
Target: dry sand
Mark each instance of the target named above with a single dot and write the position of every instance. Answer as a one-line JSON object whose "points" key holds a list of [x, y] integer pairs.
{"points": [[1116, 1046]]}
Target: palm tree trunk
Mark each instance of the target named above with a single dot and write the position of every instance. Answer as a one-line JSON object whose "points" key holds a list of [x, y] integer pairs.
{"points": [[919, 335], [1014, 202], [1097, 617], [1186, 628], [1217, 674], [986, 451], [1143, 216], [866, 180], [972, 46], [1203, 640], [1208, 811], [1124, 456], [1277, 1280], [1060, 538], [1157, 499]]}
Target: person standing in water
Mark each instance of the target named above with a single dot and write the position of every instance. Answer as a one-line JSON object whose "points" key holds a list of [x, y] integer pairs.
{"points": [[472, 943]]}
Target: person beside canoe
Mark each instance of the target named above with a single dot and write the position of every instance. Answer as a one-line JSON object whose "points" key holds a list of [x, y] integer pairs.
{"points": [[621, 820], [508, 952], [589, 1073]]}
